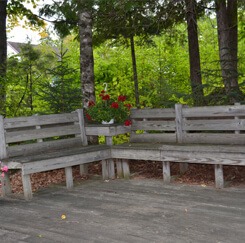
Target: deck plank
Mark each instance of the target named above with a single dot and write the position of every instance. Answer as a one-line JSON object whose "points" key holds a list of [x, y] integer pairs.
{"points": [[126, 211]]}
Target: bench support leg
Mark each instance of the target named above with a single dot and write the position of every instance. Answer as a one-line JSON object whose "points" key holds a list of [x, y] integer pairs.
{"points": [[84, 169], [6, 185], [119, 168], [108, 169], [125, 167], [219, 176], [166, 172], [111, 167], [26, 180], [183, 167], [105, 172], [69, 177]]}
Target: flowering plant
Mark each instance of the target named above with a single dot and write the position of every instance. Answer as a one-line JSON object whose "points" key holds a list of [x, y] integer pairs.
{"points": [[107, 109], [3, 169]]}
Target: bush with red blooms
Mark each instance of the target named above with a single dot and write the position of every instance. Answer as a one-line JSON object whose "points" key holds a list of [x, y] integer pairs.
{"points": [[107, 109]]}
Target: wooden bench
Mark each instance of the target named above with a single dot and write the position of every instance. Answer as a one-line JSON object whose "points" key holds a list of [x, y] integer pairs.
{"points": [[204, 135], [47, 142]]}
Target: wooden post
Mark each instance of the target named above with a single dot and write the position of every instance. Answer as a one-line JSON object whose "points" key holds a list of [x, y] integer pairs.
{"points": [[237, 119], [180, 133], [219, 176], [69, 177], [3, 150], [84, 167], [110, 164], [26, 179], [119, 168], [105, 172], [126, 170], [166, 172]]}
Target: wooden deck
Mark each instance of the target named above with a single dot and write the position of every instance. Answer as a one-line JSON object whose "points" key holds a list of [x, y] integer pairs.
{"points": [[126, 211]]}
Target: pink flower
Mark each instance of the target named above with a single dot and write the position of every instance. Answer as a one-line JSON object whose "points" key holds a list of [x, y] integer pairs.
{"points": [[2, 175], [5, 168]]}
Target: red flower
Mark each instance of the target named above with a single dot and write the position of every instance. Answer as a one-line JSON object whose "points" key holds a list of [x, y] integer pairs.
{"points": [[121, 98], [128, 106], [106, 97], [127, 123], [102, 93], [88, 117], [91, 103], [115, 105]]}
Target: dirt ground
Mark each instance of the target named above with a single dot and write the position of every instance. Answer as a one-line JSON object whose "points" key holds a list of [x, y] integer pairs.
{"points": [[196, 174]]}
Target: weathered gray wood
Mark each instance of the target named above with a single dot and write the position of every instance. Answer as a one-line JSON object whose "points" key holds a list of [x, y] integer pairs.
{"points": [[215, 138], [35, 148], [183, 167], [214, 111], [106, 130], [152, 113], [126, 170], [159, 125], [21, 122], [214, 125], [83, 169], [24, 135], [82, 127], [119, 168], [153, 138], [3, 151], [26, 180], [166, 172], [110, 164], [69, 177], [219, 177], [179, 123], [5, 185], [105, 172]]}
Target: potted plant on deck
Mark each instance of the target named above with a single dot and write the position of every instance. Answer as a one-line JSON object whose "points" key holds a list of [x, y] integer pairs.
{"points": [[108, 111]]}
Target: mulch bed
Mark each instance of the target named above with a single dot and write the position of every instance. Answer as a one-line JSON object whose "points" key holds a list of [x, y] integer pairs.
{"points": [[196, 174]]}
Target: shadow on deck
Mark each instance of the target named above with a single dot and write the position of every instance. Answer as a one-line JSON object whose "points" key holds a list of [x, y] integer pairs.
{"points": [[126, 211]]}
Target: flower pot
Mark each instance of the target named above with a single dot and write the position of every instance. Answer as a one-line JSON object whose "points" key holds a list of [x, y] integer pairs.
{"points": [[109, 122]]}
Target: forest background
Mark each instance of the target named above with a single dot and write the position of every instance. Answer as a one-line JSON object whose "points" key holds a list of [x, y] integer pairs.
{"points": [[157, 53]]}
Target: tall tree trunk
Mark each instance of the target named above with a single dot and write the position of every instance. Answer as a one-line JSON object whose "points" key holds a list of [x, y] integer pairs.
{"points": [[86, 56], [226, 11], [194, 54], [3, 55], [86, 61], [136, 83]]}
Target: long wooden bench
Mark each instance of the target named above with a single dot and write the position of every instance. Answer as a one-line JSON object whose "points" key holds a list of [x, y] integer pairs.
{"points": [[204, 135], [47, 142]]}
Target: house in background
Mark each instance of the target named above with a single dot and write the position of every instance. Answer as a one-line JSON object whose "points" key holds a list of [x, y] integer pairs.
{"points": [[14, 48]]}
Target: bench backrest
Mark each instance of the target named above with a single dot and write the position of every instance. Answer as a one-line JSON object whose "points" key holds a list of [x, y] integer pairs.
{"points": [[153, 125], [37, 134], [209, 124]]}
